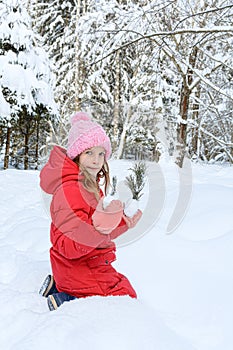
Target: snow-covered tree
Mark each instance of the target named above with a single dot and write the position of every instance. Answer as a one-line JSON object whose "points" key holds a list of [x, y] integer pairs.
{"points": [[124, 82], [57, 21], [189, 40], [186, 37], [25, 78], [140, 66]]}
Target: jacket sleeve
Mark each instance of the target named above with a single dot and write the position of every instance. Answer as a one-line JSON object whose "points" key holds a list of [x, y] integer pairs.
{"points": [[72, 232], [119, 230]]}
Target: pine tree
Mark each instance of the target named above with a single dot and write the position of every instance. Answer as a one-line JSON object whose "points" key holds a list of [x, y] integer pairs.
{"points": [[26, 82], [58, 23]]}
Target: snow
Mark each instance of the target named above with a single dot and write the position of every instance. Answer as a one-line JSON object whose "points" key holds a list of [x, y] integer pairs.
{"points": [[131, 208], [5, 107], [183, 280], [27, 72]]}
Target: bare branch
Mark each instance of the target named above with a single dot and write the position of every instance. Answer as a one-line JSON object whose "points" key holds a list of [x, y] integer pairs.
{"points": [[216, 29], [203, 13]]}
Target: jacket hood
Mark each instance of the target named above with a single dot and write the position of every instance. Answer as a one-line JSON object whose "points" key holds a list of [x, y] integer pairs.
{"points": [[58, 170]]}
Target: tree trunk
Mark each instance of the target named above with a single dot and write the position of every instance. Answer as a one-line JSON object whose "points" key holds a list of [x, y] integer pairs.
{"points": [[78, 64], [123, 134], [37, 143], [27, 126], [182, 129], [184, 109], [26, 149], [116, 111], [195, 117], [7, 149]]}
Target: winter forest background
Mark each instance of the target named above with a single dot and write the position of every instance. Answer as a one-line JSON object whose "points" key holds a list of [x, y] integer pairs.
{"points": [[156, 74]]}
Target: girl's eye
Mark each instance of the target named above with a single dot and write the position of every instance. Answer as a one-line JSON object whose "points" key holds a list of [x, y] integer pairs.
{"points": [[88, 152], [102, 154]]}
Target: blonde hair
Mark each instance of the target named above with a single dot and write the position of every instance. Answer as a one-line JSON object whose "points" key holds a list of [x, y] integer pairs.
{"points": [[91, 184]]}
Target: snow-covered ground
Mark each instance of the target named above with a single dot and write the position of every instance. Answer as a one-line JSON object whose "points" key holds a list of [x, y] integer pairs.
{"points": [[184, 280]]}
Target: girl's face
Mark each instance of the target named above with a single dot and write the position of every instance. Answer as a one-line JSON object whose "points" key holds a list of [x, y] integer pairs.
{"points": [[92, 160]]}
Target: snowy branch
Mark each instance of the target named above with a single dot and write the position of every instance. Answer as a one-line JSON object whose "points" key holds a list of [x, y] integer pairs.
{"points": [[197, 30], [211, 10], [221, 142]]}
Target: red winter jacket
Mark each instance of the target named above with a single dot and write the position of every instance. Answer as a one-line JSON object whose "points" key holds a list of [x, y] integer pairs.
{"points": [[80, 256]]}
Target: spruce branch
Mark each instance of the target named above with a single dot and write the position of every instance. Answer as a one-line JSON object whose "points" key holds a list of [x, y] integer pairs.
{"points": [[114, 183], [136, 180]]}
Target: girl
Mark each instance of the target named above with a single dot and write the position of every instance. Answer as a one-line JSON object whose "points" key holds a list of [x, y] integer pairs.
{"points": [[81, 229]]}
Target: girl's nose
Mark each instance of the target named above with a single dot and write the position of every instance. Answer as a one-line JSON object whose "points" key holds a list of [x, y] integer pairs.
{"points": [[95, 159]]}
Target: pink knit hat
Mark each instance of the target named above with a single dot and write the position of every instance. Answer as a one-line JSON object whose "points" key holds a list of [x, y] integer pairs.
{"points": [[85, 134]]}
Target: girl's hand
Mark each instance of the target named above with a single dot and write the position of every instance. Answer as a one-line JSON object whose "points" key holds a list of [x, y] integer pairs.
{"points": [[114, 206], [131, 222], [106, 220]]}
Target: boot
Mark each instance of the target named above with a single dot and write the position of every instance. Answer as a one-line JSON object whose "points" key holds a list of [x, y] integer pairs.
{"points": [[48, 286], [57, 299]]}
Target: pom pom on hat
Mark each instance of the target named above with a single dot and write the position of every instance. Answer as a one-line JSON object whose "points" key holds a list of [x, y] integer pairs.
{"points": [[85, 134], [79, 116]]}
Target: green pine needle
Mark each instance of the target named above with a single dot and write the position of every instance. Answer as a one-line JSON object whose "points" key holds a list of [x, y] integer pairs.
{"points": [[136, 180]]}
